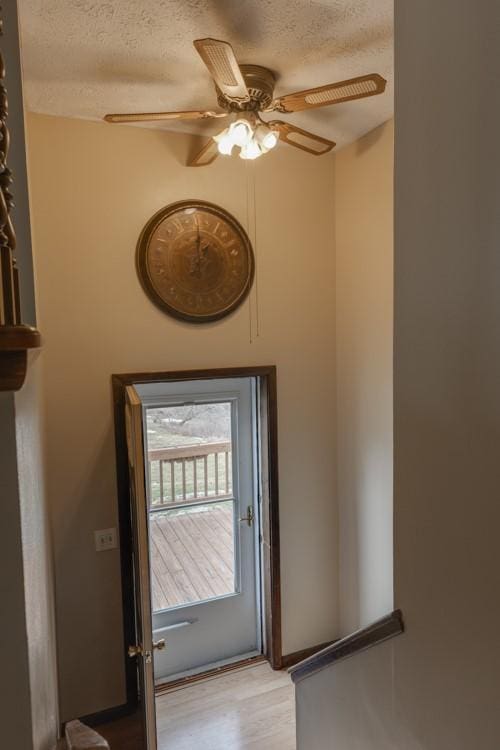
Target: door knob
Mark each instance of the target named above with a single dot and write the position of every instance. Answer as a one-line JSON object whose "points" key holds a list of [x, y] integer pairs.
{"points": [[134, 651], [137, 650], [249, 518]]}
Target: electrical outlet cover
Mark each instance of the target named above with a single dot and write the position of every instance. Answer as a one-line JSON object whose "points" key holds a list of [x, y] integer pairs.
{"points": [[105, 539]]}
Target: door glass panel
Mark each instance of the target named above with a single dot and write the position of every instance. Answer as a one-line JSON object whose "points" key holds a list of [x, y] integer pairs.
{"points": [[192, 554], [189, 453], [191, 506]]}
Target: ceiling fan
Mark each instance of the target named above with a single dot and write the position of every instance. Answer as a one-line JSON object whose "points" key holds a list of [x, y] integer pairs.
{"points": [[246, 91]]}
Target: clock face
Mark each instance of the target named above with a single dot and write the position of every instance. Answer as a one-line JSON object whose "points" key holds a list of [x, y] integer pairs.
{"points": [[195, 261]]}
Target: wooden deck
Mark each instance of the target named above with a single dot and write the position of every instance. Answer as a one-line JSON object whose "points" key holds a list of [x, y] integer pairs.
{"points": [[192, 556]]}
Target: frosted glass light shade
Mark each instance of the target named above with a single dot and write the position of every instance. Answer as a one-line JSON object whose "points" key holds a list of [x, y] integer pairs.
{"points": [[270, 140], [250, 151], [225, 145], [240, 133], [266, 138]]}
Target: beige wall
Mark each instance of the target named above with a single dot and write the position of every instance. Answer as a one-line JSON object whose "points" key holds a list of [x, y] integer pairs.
{"points": [[364, 334], [93, 187], [436, 686]]}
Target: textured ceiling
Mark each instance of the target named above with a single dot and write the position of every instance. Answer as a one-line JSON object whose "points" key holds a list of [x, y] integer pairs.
{"points": [[84, 58]]}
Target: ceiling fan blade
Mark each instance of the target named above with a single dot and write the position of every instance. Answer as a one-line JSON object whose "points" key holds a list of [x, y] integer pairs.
{"points": [[221, 62], [207, 155], [153, 116], [333, 93], [313, 144]]}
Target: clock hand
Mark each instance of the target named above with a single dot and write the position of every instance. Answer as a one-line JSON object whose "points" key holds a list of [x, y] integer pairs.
{"points": [[198, 238], [196, 260]]}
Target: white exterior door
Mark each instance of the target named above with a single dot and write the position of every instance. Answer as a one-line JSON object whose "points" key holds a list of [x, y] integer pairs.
{"points": [[200, 449]]}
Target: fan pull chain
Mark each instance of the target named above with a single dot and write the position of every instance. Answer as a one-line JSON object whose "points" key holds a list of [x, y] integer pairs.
{"points": [[251, 222], [256, 246], [250, 316]]}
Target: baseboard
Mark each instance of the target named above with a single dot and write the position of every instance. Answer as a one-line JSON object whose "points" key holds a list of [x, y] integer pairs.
{"points": [[166, 687], [289, 660], [108, 715], [118, 712]]}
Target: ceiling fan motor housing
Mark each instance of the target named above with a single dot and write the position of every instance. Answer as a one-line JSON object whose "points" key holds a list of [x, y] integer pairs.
{"points": [[260, 83]]}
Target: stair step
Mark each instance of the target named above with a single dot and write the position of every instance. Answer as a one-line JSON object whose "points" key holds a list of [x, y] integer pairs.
{"points": [[81, 737]]}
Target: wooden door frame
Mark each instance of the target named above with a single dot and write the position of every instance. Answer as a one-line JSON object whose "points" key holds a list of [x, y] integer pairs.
{"points": [[267, 384]]}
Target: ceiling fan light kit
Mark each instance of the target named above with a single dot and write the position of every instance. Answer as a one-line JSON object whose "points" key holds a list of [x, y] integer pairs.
{"points": [[243, 92], [250, 134]]}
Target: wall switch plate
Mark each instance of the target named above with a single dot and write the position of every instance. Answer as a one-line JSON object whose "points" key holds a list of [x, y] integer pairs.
{"points": [[105, 539]]}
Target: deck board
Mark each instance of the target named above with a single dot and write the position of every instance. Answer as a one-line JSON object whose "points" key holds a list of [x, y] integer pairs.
{"points": [[191, 556]]}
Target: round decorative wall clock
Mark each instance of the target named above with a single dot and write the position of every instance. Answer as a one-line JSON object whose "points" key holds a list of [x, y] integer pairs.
{"points": [[195, 261]]}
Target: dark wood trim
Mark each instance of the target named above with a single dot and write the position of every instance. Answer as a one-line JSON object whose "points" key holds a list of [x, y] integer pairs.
{"points": [[379, 631], [166, 687], [105, 716], [268, 387], [125, 528], [270, 524], [173, 376], [290, 660], [15, 343]]}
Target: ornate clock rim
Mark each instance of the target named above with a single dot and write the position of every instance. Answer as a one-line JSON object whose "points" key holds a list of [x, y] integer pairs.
{"points": [[143, 268]]}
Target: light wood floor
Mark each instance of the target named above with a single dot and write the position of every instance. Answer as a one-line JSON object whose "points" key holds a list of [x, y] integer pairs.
{"points": [[251, 709], [192, 556]]}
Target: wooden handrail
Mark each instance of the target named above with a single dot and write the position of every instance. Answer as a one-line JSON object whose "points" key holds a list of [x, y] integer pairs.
{"points": [[378, 632], [197, 450], [188, 456]]}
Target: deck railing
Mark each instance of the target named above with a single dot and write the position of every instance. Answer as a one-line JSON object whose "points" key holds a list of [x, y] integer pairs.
{"points": [[190, 473]]}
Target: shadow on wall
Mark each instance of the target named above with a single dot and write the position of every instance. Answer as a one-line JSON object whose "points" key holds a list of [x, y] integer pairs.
{"points": [[185, 149], [101, 574], [369, 141]]}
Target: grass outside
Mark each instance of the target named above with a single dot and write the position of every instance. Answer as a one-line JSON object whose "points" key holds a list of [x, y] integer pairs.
{"points": [[206, 424], [170, 511]]}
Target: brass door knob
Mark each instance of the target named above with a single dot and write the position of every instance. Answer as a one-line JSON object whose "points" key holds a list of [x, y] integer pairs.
{"points": [[134, 651]]}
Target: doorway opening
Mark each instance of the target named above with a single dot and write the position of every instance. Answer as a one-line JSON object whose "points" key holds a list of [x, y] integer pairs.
{"points": [[202, 494], [198, 489]]}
